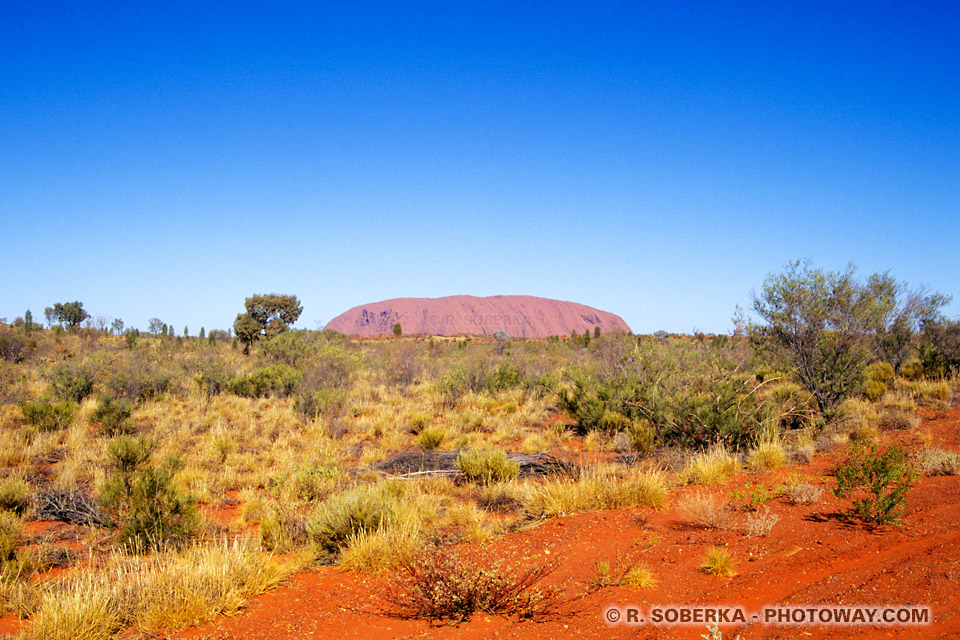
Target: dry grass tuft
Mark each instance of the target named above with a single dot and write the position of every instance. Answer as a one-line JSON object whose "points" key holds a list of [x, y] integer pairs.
{"points": [[718, 562], [704, 510], [711, 467]]}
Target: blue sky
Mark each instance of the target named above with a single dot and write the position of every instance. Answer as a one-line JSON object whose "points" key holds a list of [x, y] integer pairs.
{"points": [[652, 159]]}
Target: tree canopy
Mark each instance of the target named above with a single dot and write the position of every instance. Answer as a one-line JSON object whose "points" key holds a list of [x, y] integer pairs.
{"points": [[69, 313], [267, 315]]}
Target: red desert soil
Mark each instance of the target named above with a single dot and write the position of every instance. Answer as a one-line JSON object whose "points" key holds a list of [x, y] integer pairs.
{"points": [[519, 316], [813, 557]]}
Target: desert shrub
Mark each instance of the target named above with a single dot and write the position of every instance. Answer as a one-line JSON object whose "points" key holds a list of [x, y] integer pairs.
{"points": [[14, 348], [330, 404], [760, 523], [937, 462], [308, 482], [507, 375], [440, 585], [430, 437], [878, 482], [277, 380], [703, 510], [143, 497], [137, 378], [487, 466], [718, 562], [689, 395], [874, 390], [751, 497], [282, 529], [10, 535], [898, 420], [366, 508], [800, 492], [880, 371], [47, 415], [112, 415], [291, 348], [70, 382], [14, 495]]}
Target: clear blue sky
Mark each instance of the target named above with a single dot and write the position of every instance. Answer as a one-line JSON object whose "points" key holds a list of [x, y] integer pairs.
{"points": [[653, 159]]}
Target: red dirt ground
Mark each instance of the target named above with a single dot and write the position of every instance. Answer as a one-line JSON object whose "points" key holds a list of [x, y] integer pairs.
{"points": [[814, 556]]}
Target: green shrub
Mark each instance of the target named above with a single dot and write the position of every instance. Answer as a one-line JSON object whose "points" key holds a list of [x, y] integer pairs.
{"points": [[879, 483], [874, 390], [328, 403], [144, 498], [10, 535], [487, 466], [277, 380], [431, 437], [506, 376], [14, 495], [112, 414], [47, 415], [880, 371], [71, 382]]}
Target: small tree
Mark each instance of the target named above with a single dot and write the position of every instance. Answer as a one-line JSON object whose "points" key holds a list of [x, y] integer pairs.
{"points": [[203, 333], [596, 332], [69, 313], [267, 315], [397, 330], [155, 325], [117, 326], [821, 324]]}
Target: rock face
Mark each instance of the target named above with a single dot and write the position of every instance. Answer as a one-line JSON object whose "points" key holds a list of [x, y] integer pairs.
{"points": [[519, 316]]}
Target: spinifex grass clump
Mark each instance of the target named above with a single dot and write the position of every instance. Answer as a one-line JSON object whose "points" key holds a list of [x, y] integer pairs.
{"points": [[487, 466]]}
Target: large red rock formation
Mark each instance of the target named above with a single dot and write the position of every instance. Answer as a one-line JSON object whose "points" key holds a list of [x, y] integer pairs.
{"points": [[519, 316]]}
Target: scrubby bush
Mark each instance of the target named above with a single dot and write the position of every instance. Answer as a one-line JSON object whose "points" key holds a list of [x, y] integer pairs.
{"points": [[47, 415], [439, 585], [143, 497], [71, 382], [487, 466], [138, 378], [112, 414], [878, 482], [718, 562], [430, 438], [14, 495], [277, 380]]}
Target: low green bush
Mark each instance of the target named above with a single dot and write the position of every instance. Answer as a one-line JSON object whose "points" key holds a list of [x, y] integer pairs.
{"points": [[877, 482], [277, 380], [487, 466], [112, 414], [47, 415]]}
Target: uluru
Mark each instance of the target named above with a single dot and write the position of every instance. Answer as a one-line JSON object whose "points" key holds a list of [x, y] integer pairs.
{"points": [[519, 316]]}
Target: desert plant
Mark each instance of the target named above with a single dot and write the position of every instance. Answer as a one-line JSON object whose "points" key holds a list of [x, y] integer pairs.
{"points": [[718, 562], [703, 510], [760, 523], [767, 454], [880, 480], [143, 497], [277, 380], [112, 415], [931, 461], [431, 437], [710, 467], [487, 466], [71, 382], [363, 509], [440, 585], [14, 495], [47, 415], [800, 492]]}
